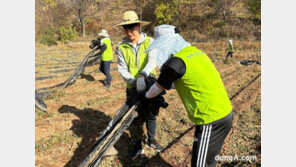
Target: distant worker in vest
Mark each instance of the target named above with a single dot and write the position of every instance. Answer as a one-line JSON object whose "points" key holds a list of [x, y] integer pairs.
{"points": [[200, 87], [107, 56], [230, 49], [135, 65]]}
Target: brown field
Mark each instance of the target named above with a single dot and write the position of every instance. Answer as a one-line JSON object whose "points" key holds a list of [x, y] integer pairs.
{"points": [[78, 114]]}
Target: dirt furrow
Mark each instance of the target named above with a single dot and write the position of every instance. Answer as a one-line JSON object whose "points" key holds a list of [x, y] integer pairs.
{"points": [[226, 68], [238, 77], [245, 136], [47, 127]]}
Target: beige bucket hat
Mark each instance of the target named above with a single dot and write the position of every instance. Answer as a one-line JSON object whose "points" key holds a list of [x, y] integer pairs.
{"points": [[130, 17], [103, 33]]}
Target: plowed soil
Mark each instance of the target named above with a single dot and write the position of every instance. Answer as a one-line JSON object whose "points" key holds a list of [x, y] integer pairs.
{"points": [[78, 114]]}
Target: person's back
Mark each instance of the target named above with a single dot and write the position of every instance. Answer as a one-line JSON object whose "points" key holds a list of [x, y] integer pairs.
{"points": [[202, 87], [106, 57], [108, 54]]}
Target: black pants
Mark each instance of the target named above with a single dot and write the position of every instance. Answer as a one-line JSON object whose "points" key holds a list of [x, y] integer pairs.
{"points": [[208, 140], [229, 54], [105, 69], [146, 114]]}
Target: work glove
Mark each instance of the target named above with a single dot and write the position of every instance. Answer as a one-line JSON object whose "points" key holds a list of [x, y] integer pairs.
{"points": [[95, 43], [141, 85], [141, 95]]}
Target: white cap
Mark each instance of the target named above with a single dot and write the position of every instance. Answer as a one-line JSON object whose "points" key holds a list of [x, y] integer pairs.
{"points": [[104, 33]]}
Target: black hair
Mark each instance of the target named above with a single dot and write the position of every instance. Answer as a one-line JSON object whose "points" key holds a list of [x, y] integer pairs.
{"points": [[130, 26], [176, 30]]}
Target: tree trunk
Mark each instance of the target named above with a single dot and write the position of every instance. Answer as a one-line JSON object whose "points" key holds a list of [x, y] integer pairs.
{"points": [[81, 21], [83, 28]]}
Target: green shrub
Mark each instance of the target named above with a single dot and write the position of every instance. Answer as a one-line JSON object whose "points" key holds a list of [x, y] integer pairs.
{"points": [[254, 7], [162, 14], [166, 12], [67, 34], [219, 23], [48, 37]]}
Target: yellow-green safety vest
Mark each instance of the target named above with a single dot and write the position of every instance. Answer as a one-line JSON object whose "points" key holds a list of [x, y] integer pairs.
{"points": [[108, 53], [201, 88], [230, 48], [136, 65]]}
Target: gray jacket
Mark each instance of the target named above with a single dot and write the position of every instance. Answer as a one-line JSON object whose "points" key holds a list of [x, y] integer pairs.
{"points": [[122, 66]]}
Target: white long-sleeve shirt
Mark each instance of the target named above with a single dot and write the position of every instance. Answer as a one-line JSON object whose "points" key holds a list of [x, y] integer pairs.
{"points": [[122, 66]]}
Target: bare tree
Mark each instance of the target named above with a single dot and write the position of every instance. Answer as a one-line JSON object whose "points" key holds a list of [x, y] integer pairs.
{"points": [[50, 14], [221, 8], [83, 9]]}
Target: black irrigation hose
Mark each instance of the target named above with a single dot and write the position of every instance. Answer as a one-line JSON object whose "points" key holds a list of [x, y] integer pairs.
{"points": [[39, 103], [110, 135], [121, 121], [124, 117], [249, 62], [243, 88], [126, 123]]}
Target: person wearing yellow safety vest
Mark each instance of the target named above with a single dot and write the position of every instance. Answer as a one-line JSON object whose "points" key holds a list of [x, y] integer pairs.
{"points": [[135, 66], [106, 53], [230, 49], [107, 56], [200, 87]]}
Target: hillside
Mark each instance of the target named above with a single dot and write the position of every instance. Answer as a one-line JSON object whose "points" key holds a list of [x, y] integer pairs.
{"points": [[199, 21]]}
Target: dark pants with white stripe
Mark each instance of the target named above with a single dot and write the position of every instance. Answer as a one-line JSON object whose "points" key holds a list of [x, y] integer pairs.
{"points": [[208, 140]]}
